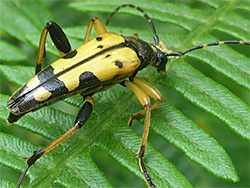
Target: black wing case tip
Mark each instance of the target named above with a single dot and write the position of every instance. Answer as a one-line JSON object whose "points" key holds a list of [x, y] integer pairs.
{"points": [[13, 118]]}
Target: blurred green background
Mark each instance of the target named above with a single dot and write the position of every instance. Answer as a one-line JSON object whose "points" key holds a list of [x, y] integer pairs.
{"points": [[237, 148]]}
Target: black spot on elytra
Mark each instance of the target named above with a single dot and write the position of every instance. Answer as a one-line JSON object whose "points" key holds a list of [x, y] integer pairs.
{"points": [[70, 55], [98, 38], [88, 79], [100, 46], [119, 64], [107, 56], [51, 83]]}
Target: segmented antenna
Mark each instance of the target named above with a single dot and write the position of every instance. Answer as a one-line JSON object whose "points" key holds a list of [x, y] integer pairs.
{"points": [[156, 38], [22, 176], [206, 45]]}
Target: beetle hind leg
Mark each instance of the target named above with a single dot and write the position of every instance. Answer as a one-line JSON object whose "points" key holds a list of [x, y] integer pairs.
{"points": [[143, 98], [59, 39], [142, 150], [81, 119]]}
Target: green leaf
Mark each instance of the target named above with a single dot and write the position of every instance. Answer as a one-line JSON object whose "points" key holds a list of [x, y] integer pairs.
{"points": [[209, 95], [7, 52], [19, 18], [6, 184], [185, 135], [12, 73], [217, 82]]}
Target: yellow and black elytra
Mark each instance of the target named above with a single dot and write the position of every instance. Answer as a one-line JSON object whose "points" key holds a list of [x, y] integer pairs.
{"points": [[83, 72]]}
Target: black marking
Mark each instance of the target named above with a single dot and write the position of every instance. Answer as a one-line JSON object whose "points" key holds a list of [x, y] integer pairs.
{"points": [[21, 104], [27, 103], [84, 113], [38, 68], [123, 84], [99, 38], [46, 74], [23, 100], [34, 157], [58, 37], [146, 174], [52, 83], [211, 44], [17, 95], [142, 151], [13, 118], [70, 55], [131, 78], [100, 46], [88, 79], [119, 64], [144, 51], [107, 56], [92, 57]]}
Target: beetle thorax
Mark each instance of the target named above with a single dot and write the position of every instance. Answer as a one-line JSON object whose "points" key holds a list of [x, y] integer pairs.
{"points": [[146, 52]]}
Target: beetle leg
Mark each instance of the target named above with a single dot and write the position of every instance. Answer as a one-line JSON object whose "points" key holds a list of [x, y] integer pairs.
{"points": [[143, 98], [59, 39], [152, 92], [99, 28], [81, 119], [136, 36]]}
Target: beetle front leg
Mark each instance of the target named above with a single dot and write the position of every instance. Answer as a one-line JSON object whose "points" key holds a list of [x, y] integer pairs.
{"points": [[81, 119], [59, 39], [99, 28], [143, 98], [152, 92]]}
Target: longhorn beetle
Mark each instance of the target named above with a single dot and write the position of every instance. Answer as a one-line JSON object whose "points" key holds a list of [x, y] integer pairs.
{"points": [[83, 72]]}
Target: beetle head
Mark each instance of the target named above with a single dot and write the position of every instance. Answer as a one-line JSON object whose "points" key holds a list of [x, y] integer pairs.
{"points": [[161, 62]]}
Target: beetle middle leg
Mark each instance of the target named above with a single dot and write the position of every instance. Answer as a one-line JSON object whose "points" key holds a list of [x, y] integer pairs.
{"points": [[99, 28], [81, 119], [143, 98], [152, 92]]}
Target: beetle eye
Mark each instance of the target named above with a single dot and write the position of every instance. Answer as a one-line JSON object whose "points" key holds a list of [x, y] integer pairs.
{"points": [[161, 61]]}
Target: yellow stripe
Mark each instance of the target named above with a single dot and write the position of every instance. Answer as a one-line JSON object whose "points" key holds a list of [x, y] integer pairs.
{"points": [[90, 100], [41, 94], [103, 68], [88, 49], [33, 82]]}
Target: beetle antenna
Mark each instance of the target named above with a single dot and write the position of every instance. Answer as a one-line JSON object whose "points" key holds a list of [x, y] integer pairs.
{"points": [[156, 38], [22, 176], [206, 45]]}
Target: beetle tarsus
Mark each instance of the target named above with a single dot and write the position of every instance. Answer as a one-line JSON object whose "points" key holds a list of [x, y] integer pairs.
{"points": [[145, 173], [22, 176]]}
